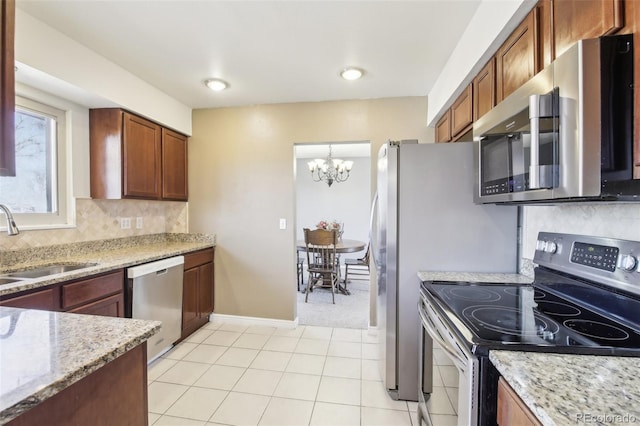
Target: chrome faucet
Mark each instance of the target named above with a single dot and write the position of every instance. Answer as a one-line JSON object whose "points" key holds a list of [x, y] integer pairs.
{"points": [[12, 229]]}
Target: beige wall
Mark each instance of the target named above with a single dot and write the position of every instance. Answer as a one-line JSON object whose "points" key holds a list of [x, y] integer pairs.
{"points": [[241, 177]]}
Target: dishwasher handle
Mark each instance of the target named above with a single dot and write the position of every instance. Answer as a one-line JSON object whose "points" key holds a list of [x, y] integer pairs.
{"points": [[157, 267]]}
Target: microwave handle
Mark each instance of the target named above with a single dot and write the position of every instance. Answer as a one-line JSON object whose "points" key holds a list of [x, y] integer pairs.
{"points": [[539, 106]]}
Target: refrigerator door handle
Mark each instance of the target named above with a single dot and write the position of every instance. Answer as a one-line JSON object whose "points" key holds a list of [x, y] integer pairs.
{"points": [[373, 250]]}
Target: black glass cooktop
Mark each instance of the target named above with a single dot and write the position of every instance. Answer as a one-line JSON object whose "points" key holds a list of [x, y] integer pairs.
{"points": [[552, 312]]}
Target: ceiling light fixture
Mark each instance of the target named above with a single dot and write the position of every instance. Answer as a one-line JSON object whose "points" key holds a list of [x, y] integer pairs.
{"points": [[330, 170], [351, 73], [216, 84]]}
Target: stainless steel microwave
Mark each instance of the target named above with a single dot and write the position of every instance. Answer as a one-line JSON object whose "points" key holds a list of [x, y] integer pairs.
{"points": [[566, 134]]}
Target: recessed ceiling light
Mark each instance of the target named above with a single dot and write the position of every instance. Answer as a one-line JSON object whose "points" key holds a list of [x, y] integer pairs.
{"points": [[351, 73], [216, 84]]}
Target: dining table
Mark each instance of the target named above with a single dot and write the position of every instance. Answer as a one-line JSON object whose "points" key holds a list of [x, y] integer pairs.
{"points": [[343, 246]]}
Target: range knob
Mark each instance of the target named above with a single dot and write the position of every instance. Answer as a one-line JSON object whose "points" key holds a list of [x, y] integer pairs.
{"points": [[627, 262], [551, 247]]}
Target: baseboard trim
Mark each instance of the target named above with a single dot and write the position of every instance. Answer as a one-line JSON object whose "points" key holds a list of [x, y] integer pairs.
{"points": [[257, 321]]}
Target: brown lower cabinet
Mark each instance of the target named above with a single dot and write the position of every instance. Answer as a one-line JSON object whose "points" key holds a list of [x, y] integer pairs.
{"points": [[115, 394], [511, 409], [97, 295], [198, 290]]}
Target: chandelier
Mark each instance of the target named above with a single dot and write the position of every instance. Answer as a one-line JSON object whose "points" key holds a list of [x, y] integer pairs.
{"points": [[330, 170]]}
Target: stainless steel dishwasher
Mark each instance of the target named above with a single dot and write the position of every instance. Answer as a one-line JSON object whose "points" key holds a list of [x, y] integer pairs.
{"points": [[154, 292]]}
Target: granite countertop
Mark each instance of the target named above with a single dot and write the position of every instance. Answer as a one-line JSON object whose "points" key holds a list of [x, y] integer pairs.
{"points": [[106, 254], [565, 389], [479, 277], [44, 352]]}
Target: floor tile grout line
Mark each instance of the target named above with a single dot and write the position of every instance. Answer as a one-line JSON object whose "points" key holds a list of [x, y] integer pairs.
{"points": [[325, 357]]}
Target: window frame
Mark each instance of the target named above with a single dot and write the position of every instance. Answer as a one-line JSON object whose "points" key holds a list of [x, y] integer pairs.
{"points": [[64, 216]]}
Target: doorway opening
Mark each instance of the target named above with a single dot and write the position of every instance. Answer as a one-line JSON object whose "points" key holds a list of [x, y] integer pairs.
{"points": [[348, 203]]}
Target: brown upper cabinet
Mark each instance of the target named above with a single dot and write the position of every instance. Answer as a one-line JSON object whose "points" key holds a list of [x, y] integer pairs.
{"points": [[462, 114], [7, 89], [132, 157], [174, 166], [484, 90], [575, 20], [517, 60], [458, 119], [443, 128]]}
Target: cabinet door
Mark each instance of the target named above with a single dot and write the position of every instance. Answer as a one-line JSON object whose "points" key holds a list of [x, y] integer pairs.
{"points": [[174, 166], [142, 145], [48, 300], [511, 409], [517, 60], [443, 128], [7, 89], [484, 90], [206, 290], [574, 20], [462, 113], [190, 312], [112, 306]]}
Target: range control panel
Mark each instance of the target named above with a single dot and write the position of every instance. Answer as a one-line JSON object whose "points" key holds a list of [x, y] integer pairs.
{"points": [[604, 260], [601, 257]]}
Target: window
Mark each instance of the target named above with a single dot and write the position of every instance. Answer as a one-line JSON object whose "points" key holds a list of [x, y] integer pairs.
{"points": [[37, 195]]}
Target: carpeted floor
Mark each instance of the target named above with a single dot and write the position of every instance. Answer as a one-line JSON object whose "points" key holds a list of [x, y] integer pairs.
{"points": [[348, 312]]}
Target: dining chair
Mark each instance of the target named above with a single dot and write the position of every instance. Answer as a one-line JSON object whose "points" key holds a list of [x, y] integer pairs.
{"points": [[359, 267], [321, 260], [300, 271]]}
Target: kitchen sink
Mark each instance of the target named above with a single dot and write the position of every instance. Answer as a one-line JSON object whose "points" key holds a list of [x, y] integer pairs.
{"points": [[8, 280], [43, 271]]}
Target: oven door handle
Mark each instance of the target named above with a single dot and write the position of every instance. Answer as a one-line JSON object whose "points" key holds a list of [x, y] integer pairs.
{"points": [[460, 362]]}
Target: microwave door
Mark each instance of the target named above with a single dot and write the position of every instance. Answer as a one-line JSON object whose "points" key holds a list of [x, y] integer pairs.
{"points": [[495, 168]]}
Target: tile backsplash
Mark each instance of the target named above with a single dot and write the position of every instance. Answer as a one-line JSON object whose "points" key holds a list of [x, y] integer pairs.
{"points": [[613, 220], [100, 219]]}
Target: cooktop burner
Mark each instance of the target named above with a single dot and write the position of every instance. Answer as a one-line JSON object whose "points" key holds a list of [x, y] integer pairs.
{"points": [[597, 330], [508, 320], [559, 309], [477, 294]]}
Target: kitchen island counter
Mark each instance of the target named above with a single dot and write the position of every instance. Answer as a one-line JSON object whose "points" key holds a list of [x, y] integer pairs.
{"points": [[102, 255], [44, 353], [564, 389]]}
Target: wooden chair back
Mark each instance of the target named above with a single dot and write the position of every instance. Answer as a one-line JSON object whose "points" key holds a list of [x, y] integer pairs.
{"points": [[321, 250]]}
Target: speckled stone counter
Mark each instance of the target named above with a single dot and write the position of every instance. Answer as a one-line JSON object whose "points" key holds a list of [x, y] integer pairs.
{"points": [[42, 353], [574, 389], [479, 277], [105, 254]]}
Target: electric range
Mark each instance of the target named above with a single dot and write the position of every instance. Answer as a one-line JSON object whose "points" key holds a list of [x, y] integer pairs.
{"points": [[584, 299]]}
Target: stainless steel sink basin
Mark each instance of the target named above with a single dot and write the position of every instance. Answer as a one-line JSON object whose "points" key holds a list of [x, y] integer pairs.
{"points": [[43, 271], [8, 280]]}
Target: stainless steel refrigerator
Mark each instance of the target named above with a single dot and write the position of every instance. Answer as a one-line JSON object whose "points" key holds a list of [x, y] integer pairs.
{"points": [[427, 221]]}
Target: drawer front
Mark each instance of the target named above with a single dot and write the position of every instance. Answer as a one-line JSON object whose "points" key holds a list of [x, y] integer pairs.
{"points": [[85, 291], [198, 258], [112, 306], [44, 299]]}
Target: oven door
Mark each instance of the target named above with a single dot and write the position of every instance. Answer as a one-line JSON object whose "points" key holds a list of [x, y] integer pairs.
{"points": [[467, 365]]}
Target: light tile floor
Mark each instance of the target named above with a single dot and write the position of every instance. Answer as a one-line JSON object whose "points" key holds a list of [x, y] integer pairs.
{"points": [[227, 374]]}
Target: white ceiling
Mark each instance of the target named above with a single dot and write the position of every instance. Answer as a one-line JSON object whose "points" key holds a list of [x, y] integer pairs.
{"points": [[268, 51]]}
